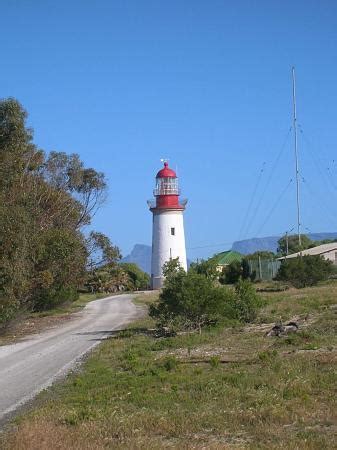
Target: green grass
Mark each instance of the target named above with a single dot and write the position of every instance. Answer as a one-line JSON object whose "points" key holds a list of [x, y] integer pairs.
{"points": [[225, 388], [300, 302]]}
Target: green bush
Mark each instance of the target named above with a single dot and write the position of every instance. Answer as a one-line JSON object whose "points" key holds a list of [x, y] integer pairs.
{"points": [[8, 309], [246, 301], [59, 265], [305, 270], [191, 301], [232, 273], [235, 271], [50, 298]]}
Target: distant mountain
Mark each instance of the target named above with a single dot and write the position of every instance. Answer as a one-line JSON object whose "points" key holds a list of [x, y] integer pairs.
{"points": [[141, 255], [269, 243]]}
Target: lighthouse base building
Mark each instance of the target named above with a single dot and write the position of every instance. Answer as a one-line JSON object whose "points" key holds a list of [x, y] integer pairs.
{"points": [[168, 237]]}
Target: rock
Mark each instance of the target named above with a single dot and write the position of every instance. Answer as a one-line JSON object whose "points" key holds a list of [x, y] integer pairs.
{"points": [[291, 327], [282, 330], [277, 330]]}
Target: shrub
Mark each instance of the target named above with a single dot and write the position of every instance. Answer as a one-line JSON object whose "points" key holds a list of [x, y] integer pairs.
{"points": [[235, 271], [170, 363], [59, 268], [246, 302], [232, 273], [191, 301], [305, 270], [47, 298], [8, 308]]}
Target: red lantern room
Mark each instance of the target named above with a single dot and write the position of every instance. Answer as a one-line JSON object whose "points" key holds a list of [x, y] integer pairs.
{"points": [[167, 190]]}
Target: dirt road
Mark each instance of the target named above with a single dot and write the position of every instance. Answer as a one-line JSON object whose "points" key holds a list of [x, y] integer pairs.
{"points": [[30, 366]]}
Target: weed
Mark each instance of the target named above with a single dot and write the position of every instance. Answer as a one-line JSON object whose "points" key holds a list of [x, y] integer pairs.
{"points": [[267, 355], [214, 362], [170, 363]]}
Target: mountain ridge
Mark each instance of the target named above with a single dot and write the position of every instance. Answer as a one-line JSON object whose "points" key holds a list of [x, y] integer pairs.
{"points": [[270, 243], [141, 253]]}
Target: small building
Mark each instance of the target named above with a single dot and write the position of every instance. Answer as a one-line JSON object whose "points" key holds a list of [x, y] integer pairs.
{"points": [[327, 251], [223, 259]]}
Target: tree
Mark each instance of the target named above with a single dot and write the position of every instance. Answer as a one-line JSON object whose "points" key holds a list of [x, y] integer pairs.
{"points": [[325, 241], [262, 254], [101, 251], [206, 267], [108, 279], [44, 203], [59, 267], [137, 278], [18, 154], [305, 270], [293, 245], [172, 268], [232, 273], [67, 173]]}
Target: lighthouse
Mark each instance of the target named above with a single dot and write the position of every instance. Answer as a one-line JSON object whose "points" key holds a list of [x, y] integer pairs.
{"points": [[168, 238]]}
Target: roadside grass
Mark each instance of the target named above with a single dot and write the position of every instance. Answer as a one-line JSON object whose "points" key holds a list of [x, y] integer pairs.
{"points": [[230, 387], [70, 307], [145, 298], [33, 322]]}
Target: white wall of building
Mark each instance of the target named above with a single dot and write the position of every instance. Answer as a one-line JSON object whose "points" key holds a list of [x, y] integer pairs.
{"points": [[327, 251], [332, 256], [168, 241]]}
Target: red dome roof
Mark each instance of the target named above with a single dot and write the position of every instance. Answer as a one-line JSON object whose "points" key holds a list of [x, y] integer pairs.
{"points": [[166, 172]]}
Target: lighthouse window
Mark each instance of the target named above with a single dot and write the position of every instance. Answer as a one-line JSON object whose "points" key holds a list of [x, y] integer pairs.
{"points": [[173, 231]]}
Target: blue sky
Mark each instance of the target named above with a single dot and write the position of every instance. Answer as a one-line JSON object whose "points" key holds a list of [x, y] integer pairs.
{"points": [[206, 84]]}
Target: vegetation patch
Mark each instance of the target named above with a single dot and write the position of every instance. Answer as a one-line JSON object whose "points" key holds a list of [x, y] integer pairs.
{"points": [[139, 391], [192, 301], [305, 271]]}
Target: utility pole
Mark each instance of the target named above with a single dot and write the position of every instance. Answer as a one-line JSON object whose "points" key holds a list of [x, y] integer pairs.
{"points": [[296, 161], [260, 268], [287, 243], [287, 240]]}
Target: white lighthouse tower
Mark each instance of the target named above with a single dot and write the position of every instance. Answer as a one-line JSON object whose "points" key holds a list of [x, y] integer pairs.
{"points": [[168, 238]]}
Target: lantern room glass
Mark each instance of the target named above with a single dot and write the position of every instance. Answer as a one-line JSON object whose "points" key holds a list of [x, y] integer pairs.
{"points": [[166, 186]]}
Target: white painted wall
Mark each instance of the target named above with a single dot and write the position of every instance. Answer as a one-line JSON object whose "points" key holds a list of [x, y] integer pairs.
{"points": [[166, 245], [332, 256]]}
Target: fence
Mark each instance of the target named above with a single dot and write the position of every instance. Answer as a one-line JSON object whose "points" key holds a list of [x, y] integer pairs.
{"points": [[264, 269]]}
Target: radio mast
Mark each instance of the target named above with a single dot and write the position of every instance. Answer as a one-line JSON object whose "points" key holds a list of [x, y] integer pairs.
{"points": [[296, 161]]}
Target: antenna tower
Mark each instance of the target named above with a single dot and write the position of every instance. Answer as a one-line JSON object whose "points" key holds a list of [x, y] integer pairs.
{"points": [[296, 161]]}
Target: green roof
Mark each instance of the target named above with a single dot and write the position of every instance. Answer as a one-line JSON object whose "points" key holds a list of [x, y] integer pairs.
{"points": [[227, 257]]}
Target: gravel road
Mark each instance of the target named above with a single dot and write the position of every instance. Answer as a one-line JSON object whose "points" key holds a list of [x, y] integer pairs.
{"points": [[34, 364]]}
